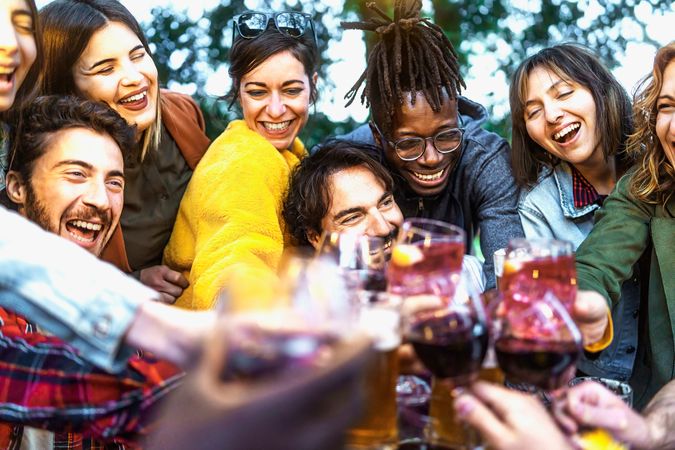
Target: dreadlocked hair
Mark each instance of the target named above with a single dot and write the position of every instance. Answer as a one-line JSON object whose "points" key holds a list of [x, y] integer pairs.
{"points": [[412, 54]]}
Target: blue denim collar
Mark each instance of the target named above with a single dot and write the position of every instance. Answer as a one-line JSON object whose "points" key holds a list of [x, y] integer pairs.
{"points": [[562, 174]]}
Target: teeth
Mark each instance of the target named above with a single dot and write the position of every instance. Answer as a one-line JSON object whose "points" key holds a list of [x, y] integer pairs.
{"points": [[272, 126], [134, 98], [431, 177], [87, 225], [80, 238], [568, 129]]}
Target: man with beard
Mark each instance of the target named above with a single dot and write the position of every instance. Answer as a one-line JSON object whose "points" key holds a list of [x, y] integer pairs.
{"points": [[445, 166], [67, 175]]}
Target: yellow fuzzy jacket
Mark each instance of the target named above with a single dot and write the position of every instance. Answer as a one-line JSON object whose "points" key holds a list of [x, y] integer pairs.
{"points": [[229, 231]]}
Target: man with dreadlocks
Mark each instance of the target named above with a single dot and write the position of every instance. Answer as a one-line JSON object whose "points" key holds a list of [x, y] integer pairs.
{"points": [[445, 165]]}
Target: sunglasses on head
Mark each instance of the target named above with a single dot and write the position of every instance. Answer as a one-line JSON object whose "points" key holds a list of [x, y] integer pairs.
{"points": [[252, 24]]}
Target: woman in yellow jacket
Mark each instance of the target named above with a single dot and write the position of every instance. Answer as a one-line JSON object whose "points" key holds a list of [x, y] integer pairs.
{"points": [[229, 233]]}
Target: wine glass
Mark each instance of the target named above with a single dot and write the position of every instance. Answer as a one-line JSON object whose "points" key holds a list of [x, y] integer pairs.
{"points": [[537, 344], [361, 259], [533, 266], [426, 258], [299, 327], [451, 339]]}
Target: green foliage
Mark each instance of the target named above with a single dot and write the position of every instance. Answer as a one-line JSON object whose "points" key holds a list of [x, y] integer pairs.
{"points": [[186, 51]]}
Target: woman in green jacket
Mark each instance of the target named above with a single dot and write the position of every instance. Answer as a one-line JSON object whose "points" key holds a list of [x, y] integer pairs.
{"points": [[637, 224]]}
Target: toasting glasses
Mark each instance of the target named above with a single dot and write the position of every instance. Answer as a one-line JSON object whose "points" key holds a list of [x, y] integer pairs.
{"points": [[534, 266], [360, 259], [298, 328], [451, 339], [361, 262], [536, 341], [426, 259]]}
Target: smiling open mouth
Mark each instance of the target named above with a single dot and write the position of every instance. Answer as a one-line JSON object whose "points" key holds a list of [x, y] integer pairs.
{"points": [[134, 98], [7, 75], [83, 231], [429, 177], [277, 127], [567, 133]]}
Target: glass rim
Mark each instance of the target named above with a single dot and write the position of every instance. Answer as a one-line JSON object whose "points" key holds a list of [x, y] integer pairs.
{"points": [[538, 241], [417, 223]]}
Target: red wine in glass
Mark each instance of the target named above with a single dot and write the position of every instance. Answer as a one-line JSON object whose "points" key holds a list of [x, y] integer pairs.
{"points": [[451, 344], [548, 365]]}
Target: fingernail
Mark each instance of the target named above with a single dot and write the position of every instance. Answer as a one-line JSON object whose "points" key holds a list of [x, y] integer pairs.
{"points": [[463, 406]]}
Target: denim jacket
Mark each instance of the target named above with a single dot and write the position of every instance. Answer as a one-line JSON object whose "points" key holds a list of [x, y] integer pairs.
{"points": [[547, 210]]}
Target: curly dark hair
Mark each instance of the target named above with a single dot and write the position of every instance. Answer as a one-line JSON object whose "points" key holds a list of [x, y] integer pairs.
{"points": [[309, 198], [412, 54], [46, 115]]}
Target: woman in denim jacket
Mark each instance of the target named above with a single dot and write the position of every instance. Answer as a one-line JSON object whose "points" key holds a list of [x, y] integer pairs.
{"points": [[570, 120]]}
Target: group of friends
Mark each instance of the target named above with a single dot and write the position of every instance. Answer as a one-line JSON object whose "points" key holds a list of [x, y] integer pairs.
{"points": [[95, 152]]}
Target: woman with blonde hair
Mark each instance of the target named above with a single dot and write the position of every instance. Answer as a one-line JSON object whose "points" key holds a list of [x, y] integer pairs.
{"points": [[637, 225]]}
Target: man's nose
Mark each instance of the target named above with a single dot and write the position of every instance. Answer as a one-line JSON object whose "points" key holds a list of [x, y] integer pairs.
{"points": [[97, 196], [431, 157], [378, 225]]}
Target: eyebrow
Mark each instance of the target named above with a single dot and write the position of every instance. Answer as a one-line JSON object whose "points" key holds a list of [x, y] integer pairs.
{"points": [[665, 97], [107, 60], [436, 131], [284, 84], [77, 162], [73, 162], [346, 212], [550, 88]]}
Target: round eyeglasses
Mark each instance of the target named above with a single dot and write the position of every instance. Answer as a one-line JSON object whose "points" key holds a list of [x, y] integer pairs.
{"points": [[412, 148]]}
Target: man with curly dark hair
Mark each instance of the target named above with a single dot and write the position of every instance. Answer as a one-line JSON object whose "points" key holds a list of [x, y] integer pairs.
{"points": [[67, 169], [341, 187], [444, 165]]}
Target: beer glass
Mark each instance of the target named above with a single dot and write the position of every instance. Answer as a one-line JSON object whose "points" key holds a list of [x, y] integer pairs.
{"points": [[380, 319]]}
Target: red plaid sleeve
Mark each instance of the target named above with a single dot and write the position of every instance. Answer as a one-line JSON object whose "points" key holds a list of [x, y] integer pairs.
{"points": [[44, 383]]}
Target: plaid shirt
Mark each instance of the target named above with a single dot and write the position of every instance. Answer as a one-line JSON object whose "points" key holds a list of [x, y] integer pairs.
{"points": [[583, 191], [45, 384]]}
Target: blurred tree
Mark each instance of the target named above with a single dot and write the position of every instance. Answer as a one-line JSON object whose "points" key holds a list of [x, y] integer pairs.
{"points": [[187, 52]]}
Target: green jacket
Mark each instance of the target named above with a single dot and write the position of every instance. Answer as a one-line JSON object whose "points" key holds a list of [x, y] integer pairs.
{"points": [[625, 228]]}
